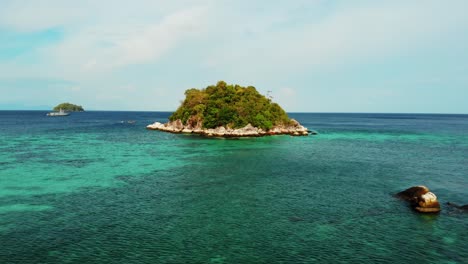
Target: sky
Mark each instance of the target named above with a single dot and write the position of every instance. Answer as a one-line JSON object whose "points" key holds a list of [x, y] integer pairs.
{"points": [[313, 55]]}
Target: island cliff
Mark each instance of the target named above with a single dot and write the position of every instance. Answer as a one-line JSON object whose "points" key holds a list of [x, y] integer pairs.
{"points": [[224, 110]]}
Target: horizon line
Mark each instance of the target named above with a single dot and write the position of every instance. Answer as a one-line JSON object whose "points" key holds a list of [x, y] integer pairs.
{"points": [[289, 112]]}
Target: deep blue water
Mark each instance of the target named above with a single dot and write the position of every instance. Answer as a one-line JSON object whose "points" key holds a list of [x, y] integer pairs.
{"points": [[93, 188]]}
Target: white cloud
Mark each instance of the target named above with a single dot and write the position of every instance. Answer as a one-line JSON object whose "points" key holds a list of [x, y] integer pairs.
{"points": [[248, 37], [156, 39], [75, 88], [38, 15], [103, 35], [347, 34], [103, 47], [111, 45]]}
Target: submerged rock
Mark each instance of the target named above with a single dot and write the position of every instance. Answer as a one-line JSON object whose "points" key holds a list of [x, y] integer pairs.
{"points": [[461, 207], [295, 219], [421, 199]]}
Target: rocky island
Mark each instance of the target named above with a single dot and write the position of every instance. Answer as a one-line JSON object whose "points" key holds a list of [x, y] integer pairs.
{"points": [[224, 110], [68, 107]]}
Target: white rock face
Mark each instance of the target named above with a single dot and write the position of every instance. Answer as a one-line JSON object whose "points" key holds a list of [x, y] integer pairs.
{"points": [[427, 199], [295, 129], [187, 131], [156, 125]]}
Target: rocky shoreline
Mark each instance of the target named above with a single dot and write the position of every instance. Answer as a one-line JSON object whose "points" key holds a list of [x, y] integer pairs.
{"points": [[295, 129]]}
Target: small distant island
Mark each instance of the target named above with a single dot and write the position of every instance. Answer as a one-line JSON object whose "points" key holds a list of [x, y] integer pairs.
{"points": [[68, 107], [224, 110]]}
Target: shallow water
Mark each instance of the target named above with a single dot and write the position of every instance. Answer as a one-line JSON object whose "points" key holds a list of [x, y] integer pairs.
{"points": [[89, 188]]}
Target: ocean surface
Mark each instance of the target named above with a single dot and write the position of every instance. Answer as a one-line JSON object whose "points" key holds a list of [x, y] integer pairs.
{"points": [[95, 188]]}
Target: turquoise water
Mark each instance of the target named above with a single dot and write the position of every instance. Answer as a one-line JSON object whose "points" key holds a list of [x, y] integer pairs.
{"points": [[90, 189]]}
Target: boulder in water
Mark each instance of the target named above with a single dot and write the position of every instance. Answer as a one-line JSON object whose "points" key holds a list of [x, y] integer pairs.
{"points": [[421, 199]]}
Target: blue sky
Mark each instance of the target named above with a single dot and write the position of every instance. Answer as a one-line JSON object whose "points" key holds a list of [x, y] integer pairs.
{"points": [[315, 56]]}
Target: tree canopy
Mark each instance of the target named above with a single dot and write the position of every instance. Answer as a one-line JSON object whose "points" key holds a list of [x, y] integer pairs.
{"points": [[231, 106], [69, 107]]}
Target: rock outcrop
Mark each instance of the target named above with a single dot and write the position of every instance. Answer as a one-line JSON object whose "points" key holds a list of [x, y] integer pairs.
{"points": [[195, 127], [421, 199]]}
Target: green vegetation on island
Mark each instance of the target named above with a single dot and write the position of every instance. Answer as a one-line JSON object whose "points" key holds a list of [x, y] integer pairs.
{"points": [[69, 107], [231, 106]]}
